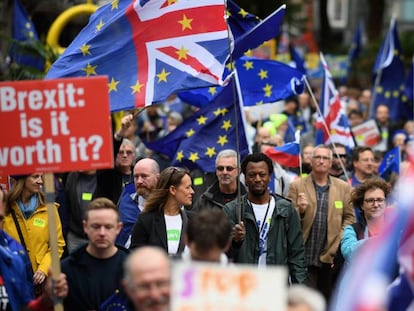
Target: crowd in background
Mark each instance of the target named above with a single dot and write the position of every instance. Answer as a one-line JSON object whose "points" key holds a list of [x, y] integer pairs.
{"points": [[294, 217]]}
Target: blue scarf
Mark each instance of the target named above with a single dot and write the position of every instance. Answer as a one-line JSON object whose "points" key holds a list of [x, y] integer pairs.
{"points": [[28, 209]]}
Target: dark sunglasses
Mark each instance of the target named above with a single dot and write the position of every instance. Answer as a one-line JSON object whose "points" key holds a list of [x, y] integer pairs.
{"points": [[227, 168]]}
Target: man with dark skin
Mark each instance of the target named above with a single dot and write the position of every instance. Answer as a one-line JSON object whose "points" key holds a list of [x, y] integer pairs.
{"points": [[266, 226]]}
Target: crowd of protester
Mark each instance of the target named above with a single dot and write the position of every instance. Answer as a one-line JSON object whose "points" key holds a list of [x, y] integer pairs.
{"points": [[272, 215]]}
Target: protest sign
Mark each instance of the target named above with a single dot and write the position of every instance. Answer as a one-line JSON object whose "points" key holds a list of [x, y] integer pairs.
{"points": [[366, 134], [55, 126], [202, 287]]}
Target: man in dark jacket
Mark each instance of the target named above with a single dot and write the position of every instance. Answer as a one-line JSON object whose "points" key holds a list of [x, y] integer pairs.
{"points": [[266, 227], [224, 189], [94, 271]]}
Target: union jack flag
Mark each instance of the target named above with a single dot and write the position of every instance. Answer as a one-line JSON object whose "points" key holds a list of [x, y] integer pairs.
{"points": [[332, 124], [149, 49]]}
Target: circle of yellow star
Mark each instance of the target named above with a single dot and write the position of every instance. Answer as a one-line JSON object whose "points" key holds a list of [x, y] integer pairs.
{"points": [[162, 76], [89, 69], [194, 157], [136, 88], [113, 85]]}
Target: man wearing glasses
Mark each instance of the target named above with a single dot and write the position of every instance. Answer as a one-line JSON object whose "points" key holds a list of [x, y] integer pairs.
{"points": [[323, 203], [110, 182], [224, 189], [339, 162]]}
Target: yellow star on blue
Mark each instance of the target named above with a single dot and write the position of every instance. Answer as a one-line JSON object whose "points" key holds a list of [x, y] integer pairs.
{"points": [[193, 157], [211, 152]]}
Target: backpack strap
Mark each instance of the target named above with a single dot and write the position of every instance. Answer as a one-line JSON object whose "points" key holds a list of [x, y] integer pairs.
{"points": [[359, 230]]}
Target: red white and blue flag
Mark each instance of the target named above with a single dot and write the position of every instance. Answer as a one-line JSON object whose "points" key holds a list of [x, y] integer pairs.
{"points": [[287, 154], [332, 123], [150, 49]]}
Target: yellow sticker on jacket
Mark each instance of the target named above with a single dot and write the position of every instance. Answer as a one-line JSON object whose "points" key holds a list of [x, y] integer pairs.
{"points": [[198, 181], [338, 204], [86, 196], [38, 222]]}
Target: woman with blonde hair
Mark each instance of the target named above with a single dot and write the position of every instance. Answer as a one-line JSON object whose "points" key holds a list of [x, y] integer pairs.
{"points": [[26, 221], [164, 219]]}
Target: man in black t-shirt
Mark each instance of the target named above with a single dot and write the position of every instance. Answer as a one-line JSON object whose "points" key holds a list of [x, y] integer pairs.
{"points": [[94, 271]]}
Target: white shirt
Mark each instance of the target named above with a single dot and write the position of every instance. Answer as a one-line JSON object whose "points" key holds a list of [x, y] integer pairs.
{"points": [[260, 214], [173, 226]]}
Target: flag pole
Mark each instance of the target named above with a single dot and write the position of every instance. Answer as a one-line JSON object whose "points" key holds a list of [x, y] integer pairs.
{"points": [[236, 117], [325, 125]]}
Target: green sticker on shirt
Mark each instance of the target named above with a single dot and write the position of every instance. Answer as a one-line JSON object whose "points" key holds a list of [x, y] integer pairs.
{"points": [[38, 222], [173, 235], [86, 196], [339, 204], [198, 181]]}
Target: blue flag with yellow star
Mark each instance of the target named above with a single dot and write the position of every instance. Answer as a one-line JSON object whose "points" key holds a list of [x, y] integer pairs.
{"points": [[261, 81], [114, 303], [24, 33], [390, 163], [409, 82], [198, 140], [388, 77], [239, 20], [149, 49]]}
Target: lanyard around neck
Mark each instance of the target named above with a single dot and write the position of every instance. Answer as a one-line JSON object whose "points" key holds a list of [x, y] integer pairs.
{"points": [[265, 216]]}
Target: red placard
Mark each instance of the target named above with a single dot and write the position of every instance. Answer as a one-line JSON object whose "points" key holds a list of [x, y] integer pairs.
{"points": [[55, 126]]}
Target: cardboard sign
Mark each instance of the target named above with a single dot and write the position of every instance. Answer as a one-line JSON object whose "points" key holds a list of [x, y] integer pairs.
{"points": [[200, 287], [366, 134], [55, 126]]}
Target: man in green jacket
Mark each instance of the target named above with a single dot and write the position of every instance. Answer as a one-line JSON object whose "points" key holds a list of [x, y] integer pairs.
{"points": [[266, 227]]}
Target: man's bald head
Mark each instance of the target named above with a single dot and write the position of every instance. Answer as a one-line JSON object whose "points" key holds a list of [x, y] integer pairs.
{"points": [[147, 279], [146, 174]]}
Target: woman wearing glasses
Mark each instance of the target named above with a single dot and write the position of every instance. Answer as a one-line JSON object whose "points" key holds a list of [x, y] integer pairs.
{"points": [[164, 219], [370, 200]]}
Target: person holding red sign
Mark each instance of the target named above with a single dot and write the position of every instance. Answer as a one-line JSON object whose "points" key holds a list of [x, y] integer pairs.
{"points": [[26, 221]]}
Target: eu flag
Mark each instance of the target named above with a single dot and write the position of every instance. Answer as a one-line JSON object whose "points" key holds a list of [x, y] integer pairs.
{"points": [[265, 30], [198, 140], [239, 20], [114, 303], [409, 82], [261, 81], [390, 163], [23, 51], [388, 77], [149, 49], [355, 49]]}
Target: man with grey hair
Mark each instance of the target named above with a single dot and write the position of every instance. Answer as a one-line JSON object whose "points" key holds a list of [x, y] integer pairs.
{"points": [[147, 279], [131, 202], [225, 188], [323, 203]]}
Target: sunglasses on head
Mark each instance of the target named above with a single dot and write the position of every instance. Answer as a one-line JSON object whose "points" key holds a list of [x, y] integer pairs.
{"points": [[227, 168]]}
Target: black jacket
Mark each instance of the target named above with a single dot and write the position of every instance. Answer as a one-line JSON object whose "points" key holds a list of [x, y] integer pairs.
{"points": [[150, 229], [212, 197]]}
